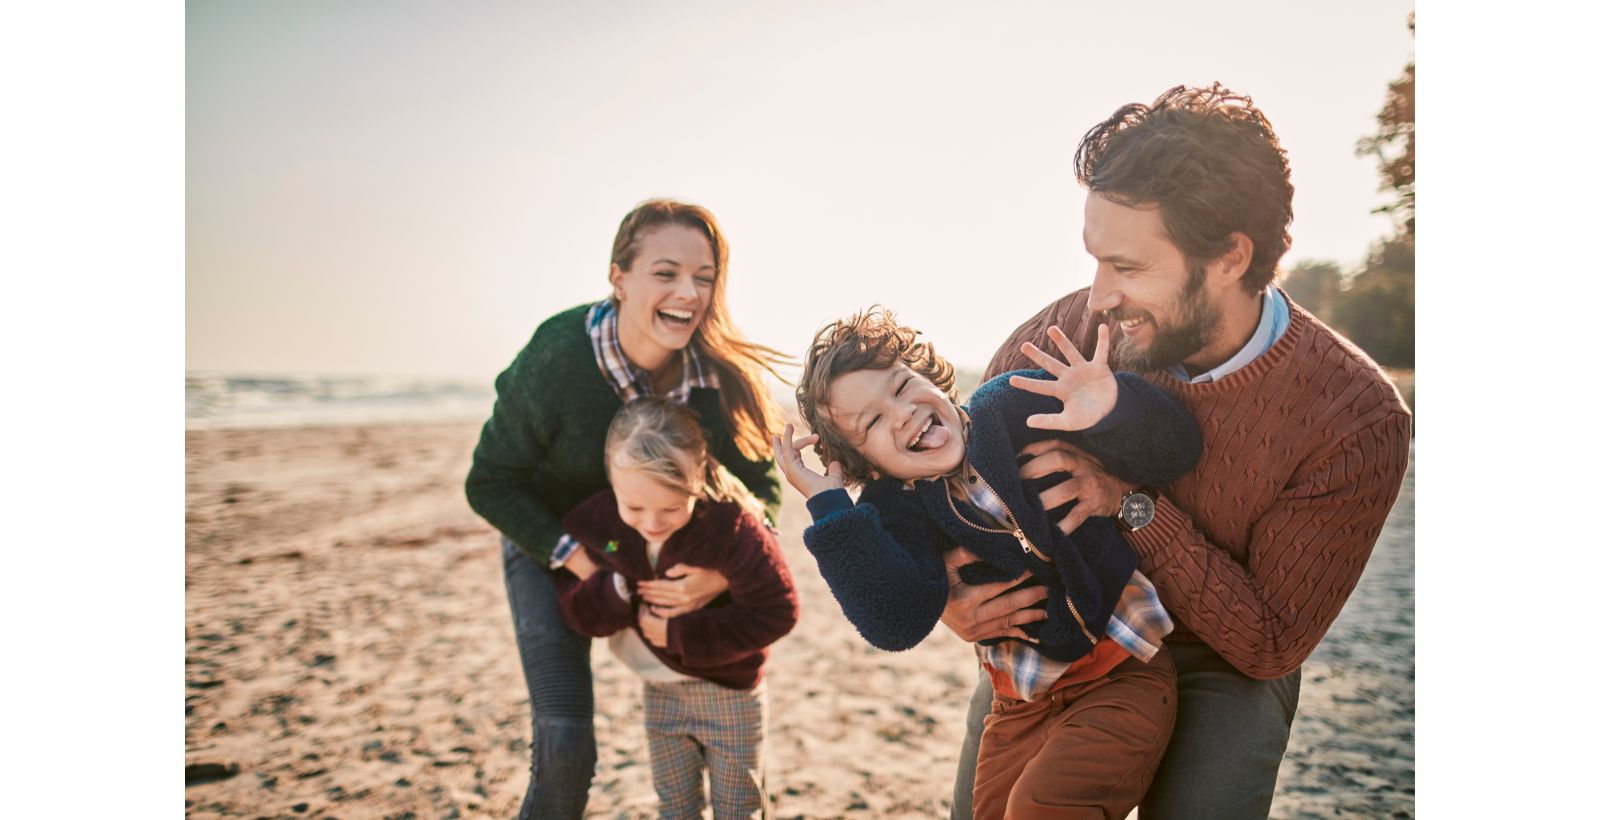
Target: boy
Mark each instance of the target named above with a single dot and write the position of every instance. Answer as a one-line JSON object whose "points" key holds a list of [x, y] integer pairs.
{"points": [[1078, 722]]}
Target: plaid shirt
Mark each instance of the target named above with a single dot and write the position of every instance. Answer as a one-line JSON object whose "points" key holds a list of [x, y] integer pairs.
{"points": [[630, 382], [1138, 624]]}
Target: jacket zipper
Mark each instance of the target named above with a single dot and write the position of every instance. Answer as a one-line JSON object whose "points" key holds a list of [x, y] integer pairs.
{"points": [[1022, 539]]}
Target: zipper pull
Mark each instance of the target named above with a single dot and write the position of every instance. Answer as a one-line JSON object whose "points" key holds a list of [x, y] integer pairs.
{"points": [[1027, 546]]}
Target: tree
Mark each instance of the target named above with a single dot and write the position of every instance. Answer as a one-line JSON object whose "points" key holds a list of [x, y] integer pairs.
{"points": [[1395, 146], [1378, 312], [1314, 285]]}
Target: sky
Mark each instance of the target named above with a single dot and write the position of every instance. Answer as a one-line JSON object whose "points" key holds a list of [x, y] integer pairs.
{"points": [[107, 214], [409, 188]]}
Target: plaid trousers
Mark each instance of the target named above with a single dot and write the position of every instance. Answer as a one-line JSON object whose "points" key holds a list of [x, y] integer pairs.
{"points": [[694, 725]]}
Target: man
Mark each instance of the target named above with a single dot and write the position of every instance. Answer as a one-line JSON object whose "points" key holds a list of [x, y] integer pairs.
{"points": [[1306, 440]]}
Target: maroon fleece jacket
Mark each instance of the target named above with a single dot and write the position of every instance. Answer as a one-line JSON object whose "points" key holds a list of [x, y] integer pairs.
{"points": [[726, 641]]}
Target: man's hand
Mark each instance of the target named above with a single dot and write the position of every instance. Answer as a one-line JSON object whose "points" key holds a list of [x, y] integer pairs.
{"points": [[1097, 491], [653, 625], [808, 481], [685, 589], [986, 611], [580, 564], [1086, 387]]}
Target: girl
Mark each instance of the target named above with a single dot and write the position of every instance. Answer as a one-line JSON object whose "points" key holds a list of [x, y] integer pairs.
{"points": [[671, 503], [664, 331]]}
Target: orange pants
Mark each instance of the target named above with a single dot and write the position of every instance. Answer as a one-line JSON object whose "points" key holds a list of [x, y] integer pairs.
{"points": [[1086, 750]]}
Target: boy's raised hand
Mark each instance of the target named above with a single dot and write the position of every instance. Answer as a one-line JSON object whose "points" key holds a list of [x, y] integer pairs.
{"points": [[1086, 387], [801, 477]]}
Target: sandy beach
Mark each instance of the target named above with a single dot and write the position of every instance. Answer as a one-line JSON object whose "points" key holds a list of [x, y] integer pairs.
{"points": [[349, 654]]}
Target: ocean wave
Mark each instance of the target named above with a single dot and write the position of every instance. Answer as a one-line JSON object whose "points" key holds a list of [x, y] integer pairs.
{"points": [[232, 400]]}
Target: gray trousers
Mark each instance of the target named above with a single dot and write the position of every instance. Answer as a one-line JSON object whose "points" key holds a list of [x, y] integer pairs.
{"points": [[1223, 759], [697, 726]]}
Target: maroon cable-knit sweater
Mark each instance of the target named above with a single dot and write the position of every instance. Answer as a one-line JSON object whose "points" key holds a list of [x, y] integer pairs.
{"points": [[1255, 551]]}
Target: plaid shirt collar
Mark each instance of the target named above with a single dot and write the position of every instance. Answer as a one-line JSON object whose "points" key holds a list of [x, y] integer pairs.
{"points": [[628, 381], [1138, 623]]}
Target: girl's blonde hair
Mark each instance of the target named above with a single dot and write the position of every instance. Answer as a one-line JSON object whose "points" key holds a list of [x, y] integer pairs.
{"points": [[753, 416], [664, 441]]}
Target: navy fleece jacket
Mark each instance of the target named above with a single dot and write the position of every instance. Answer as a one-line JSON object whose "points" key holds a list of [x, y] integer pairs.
{"points": [[882, 554]]}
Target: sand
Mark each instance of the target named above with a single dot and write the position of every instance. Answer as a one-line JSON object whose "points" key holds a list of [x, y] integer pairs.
{"points": [[349, 653]]}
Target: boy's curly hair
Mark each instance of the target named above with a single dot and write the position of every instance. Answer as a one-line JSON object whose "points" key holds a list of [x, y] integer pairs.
{"points": [[869, 340]]}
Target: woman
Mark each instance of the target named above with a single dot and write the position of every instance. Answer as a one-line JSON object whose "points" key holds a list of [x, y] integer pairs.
{"points": [[664, 332]]}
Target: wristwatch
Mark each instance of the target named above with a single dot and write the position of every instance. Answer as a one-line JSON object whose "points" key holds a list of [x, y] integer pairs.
{"points": [[1138, 508]]}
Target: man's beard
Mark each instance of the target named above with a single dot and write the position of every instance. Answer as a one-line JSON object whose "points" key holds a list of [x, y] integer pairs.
{"points": [[1195, 323]]}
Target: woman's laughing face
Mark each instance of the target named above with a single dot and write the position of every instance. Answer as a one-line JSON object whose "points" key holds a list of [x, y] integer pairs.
{"points": [[663, 297]]}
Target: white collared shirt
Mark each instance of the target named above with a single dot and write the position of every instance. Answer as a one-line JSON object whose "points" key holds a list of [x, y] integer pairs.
{"points": [[1274, 322]]}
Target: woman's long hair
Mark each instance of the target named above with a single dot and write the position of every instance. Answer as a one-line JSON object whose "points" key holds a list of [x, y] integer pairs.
{"points": [[663, 440], [753, 417]]}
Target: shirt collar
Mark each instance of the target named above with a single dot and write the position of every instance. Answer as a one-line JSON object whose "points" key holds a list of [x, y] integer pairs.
{"points": [[1274, 322], [628, 381]]}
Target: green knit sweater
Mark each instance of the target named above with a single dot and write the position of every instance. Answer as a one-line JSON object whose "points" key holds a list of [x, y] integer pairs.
{"points": [[542, 451]]}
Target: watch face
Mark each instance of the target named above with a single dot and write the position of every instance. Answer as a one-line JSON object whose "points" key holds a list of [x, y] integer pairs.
{"points": [[1138, 510]]}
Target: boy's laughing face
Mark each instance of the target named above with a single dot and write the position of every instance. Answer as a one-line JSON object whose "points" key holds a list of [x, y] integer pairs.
{"points": [[899, 421]]}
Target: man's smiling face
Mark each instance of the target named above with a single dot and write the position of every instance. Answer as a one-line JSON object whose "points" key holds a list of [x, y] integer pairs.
{"points": [[1143, 283], [899, 421]]}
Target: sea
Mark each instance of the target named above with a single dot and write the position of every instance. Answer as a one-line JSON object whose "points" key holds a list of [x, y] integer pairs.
{"points": [[234, 400]]}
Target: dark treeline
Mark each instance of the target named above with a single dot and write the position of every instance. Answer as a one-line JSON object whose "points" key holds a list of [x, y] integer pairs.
{"points": [[1374, 306]]}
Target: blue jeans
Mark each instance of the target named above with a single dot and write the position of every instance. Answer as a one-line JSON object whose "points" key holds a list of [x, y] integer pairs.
{"points": [[1223, 759], [555, 664]]}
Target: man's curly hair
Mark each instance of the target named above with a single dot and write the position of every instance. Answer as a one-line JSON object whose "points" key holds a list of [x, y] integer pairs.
{"points": [[1211, 160], [869, 340]]}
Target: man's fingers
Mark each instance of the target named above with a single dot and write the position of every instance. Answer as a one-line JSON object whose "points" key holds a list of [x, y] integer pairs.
{"points": [[1027, 616], [1054, 461], [1048, 421], [1074, 519], [1008, 624], [1043, 387], [1102, 345], [960, 556], [1042, 446], [1066, 346], [806, 441], [1061, 493], [1012, 603], [954, 560], [1082, 456], [1011, 632], [1045, 361], [1053, 445]]}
